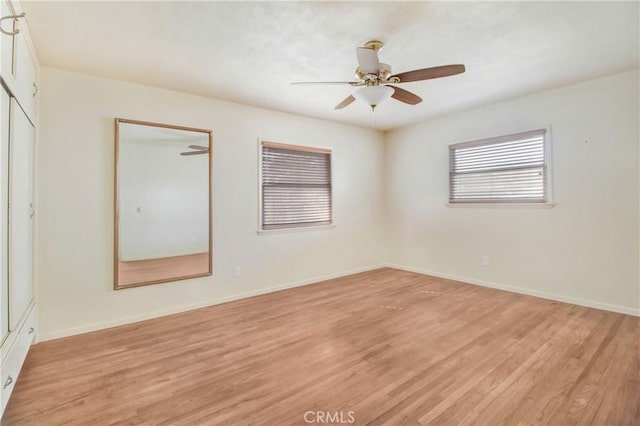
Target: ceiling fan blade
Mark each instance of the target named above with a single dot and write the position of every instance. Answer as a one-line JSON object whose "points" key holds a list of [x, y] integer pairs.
{"points": [[405, 96], [368, 60], [352, 83], [429, 73], [345, 102], [199, 147], [194, 152]]}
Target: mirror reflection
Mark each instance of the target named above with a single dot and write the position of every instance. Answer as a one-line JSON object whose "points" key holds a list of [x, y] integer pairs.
{"points": [[163, 215]]}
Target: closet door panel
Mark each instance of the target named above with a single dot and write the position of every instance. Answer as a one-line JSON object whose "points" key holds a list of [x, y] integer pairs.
{"points": [[24, 69], [19, 64], [20, 214], [4, 212]]}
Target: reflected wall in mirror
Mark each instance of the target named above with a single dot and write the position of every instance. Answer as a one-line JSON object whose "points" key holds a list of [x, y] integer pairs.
{"points": [[162, 203]]}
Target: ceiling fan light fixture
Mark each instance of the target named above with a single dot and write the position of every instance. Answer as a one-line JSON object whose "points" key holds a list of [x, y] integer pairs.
{"points": [[373, 95], [375, 79]]}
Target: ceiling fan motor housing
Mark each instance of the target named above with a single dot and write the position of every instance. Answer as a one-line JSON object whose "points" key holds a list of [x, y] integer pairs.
{"points": [[383, 74]]}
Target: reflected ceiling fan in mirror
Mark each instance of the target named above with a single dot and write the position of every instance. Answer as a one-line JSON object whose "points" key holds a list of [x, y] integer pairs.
{"points": [[196, 150], [377, 81]]}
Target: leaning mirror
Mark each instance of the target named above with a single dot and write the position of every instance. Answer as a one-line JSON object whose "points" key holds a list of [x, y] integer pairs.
{"points": [[162, 203]]}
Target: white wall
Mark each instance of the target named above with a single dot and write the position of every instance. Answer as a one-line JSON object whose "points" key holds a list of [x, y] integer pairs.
{"points": [[75, 207], [164, 200], [583, 250]]}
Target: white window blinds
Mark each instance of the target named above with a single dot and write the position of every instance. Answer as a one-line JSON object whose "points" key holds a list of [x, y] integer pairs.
{"points": [[506, 169], [296, 186]]}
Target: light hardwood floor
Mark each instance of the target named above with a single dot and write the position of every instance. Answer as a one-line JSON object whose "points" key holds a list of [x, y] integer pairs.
{"points": [[394, 347], [141, 271]]}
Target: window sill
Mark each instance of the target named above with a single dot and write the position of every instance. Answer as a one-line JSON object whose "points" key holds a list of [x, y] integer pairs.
{"points": [[504, 205], [296, 229]]}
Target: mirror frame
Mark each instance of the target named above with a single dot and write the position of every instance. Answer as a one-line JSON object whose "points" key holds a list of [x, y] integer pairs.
{"points": [[116, 246]]}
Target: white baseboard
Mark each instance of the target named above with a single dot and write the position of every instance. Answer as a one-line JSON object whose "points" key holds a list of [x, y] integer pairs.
{"points": [[557, 297], [177, 309]]}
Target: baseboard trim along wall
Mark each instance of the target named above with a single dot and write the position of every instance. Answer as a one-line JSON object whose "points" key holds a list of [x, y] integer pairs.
{"points": [[183, 308], [520, 290]]}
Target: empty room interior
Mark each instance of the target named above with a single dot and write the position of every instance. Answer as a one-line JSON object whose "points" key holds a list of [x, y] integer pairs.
{"points": [[312, 212]]}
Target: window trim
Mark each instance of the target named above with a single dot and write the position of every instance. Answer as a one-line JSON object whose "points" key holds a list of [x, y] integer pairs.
{"points": [[301, 228], [548, 161]]}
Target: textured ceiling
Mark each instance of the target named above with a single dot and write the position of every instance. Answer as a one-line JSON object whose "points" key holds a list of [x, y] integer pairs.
{"points": [[249, 52]]}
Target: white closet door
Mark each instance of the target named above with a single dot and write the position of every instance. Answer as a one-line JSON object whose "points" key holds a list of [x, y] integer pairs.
{"points": [[20, 213], [4, 214], [24, 69]]}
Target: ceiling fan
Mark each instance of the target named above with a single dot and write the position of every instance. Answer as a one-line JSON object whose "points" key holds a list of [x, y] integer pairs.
{"points": [[197, 150], [377, 79]]}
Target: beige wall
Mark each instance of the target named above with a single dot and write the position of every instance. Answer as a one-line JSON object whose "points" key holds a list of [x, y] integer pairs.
{"points": [[75, 202], [390, 195], [583, 250]]}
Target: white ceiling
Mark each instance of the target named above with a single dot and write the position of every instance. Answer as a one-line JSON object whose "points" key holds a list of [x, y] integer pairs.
{"points": [[249, 52]]}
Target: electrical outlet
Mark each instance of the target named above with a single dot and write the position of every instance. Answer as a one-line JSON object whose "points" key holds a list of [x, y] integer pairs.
{"points": [[237, 271], [485, 260]]}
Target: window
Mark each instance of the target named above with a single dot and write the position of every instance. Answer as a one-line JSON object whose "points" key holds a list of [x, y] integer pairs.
{"points": [[295, 186], [506, 169]]}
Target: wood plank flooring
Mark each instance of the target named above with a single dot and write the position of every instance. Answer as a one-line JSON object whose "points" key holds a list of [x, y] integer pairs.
{"points": [[142, 271], [392, 347]]}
